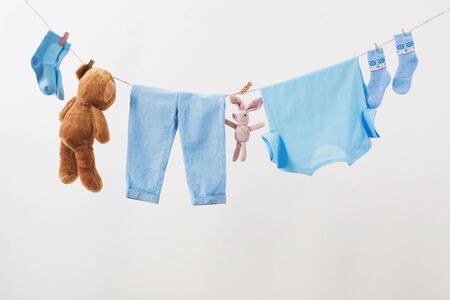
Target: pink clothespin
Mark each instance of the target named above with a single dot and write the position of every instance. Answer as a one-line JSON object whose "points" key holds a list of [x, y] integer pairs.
{"points": [[64, 39]]}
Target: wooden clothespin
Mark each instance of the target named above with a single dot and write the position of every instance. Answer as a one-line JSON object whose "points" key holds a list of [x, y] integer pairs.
{"points": [[245, 88], [91, 64], [64, 39], [376, 46], [403, 30]]}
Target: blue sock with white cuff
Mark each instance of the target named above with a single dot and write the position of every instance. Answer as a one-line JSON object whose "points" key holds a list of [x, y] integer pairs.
{"points": [[407, 62], [379, 77]]}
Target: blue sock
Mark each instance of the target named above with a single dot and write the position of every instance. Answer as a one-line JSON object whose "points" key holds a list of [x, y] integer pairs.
{"points": [[379, 77], [407, 62], [45, 63]]}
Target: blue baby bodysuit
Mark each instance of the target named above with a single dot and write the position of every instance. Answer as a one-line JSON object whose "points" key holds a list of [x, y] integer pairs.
{"points": [[318, 119]]}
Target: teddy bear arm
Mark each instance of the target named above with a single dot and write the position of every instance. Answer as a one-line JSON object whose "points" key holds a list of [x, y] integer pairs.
{"points": [[101, 130], [66, 108]]}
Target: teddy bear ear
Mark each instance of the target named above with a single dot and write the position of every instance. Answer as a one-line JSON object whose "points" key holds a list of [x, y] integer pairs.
{"points": [[82, 70], [108, 93]]}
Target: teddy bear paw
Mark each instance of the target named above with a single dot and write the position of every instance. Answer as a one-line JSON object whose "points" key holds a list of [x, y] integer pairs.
{"points": [[92, 183], [68, 178]]}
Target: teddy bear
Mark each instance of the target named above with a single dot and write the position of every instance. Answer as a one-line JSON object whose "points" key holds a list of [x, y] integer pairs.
{"points": [[82, 121], [242, 130]]}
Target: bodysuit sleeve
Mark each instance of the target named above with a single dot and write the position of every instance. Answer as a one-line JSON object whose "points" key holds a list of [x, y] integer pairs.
{"points": [[368, 121], [275, 146]]}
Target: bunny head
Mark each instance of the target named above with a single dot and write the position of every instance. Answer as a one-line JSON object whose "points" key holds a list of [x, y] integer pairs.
{"points": [[242, 117]]}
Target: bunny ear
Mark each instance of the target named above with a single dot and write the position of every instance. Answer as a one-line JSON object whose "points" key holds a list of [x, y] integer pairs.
{"points": [[237, 101], [255, 104]]}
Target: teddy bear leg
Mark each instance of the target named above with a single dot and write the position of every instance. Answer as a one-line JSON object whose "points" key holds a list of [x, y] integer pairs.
{"points": [[67, 164], [237, 150], [243, 152], [86, 170]]}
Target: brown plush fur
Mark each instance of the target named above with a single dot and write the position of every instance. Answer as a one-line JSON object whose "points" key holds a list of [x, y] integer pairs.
{"points": [[82, 121]]}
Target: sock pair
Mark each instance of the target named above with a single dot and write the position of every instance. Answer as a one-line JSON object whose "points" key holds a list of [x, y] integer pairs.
{"points": [[46, 61], [379, 76]]}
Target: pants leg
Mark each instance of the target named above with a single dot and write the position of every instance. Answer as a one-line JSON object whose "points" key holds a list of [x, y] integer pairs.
{"points": [[202, 132], [151, 130]]}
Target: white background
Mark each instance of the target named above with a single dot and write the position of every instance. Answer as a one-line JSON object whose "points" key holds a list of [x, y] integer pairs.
{"points": [[377, 230]]}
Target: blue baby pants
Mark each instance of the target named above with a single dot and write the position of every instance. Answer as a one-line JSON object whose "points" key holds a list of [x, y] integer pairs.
{"points": [[155, 115], [318, 118]]}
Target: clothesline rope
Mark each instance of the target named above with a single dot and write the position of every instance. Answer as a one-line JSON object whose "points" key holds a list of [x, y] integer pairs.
{"points": [[71, 49], [251, 90]]}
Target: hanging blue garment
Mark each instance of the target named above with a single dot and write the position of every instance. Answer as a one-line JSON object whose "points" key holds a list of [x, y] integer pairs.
{"points": [[318, 119], [45, 63], [155, 116]]}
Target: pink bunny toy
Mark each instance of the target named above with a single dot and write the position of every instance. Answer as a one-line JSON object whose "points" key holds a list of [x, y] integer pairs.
{"points": [[242, 130]]}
